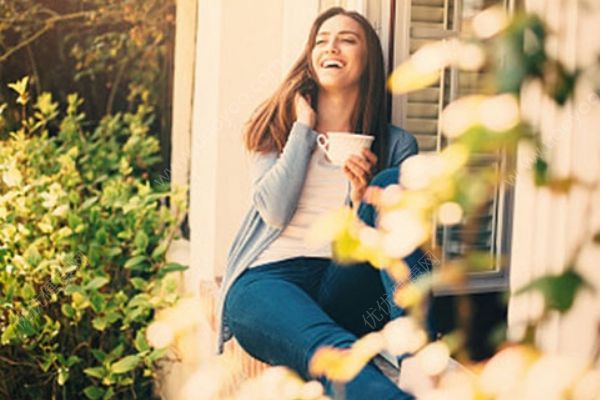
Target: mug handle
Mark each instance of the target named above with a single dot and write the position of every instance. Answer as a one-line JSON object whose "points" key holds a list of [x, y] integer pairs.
{"points": [[323, 143]]}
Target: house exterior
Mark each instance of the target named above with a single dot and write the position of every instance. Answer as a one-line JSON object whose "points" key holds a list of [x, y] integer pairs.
{"points": [[231, 54]]}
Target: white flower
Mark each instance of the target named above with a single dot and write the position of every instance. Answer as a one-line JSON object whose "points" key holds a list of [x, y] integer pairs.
{"points": [[419, 170], [403, 335], [434, 358], [460, 115], [500, 113], [160, 334], [450, 213], [489, 22]]}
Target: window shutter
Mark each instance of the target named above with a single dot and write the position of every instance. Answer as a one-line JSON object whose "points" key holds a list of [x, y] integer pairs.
{"points": [[484, 231]]}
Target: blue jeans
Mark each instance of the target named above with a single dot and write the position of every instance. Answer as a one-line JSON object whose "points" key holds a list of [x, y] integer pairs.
{"points": [[282, 312]]}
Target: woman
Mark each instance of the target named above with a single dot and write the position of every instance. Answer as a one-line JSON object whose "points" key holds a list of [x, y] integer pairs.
{"points": [[280, 299]]}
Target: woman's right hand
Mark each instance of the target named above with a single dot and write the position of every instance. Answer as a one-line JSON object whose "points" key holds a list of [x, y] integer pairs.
{"points": [[304, 112]]}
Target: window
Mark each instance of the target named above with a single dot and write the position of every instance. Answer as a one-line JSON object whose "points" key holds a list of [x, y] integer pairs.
{"points": [[487, 231]]}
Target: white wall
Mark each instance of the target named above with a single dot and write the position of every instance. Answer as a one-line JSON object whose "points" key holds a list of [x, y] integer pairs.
{"points": [[548, 226]]}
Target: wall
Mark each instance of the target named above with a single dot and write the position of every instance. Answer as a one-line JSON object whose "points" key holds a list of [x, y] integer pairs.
{"points": [[548, 226], [243, 49]]}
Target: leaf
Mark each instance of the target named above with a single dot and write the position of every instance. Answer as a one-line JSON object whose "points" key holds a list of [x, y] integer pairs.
{"points": [[597, 238], [125, 364], [138, 283], [540, 171], [134, 261], [140, 342], [171, 267], [95, 372], [67, 310], [141, 240], [99, 355], [20, 86], [157, 354], [559, 291], [63, 376], [96, 283], [93, 392]]}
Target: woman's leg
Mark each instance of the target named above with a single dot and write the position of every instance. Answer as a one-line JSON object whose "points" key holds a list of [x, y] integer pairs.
{"points": [[360, 297], [275, 319]]}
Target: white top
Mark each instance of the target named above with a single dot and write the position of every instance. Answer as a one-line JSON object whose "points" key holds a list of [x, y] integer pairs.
{"points": [[325, 189]]}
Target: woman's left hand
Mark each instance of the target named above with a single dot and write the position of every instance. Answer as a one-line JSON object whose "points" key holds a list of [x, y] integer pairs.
{"points": [[359, 170]]}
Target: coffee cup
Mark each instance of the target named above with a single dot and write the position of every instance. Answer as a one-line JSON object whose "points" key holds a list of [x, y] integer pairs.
{"points": [[339, 146]]}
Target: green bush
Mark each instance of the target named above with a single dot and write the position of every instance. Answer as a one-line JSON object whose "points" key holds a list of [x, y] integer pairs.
{"points": [[83, 238]]}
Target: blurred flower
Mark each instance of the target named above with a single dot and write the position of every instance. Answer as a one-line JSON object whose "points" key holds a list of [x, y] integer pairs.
{"points": [[159, 334], [408, 295], [328, 227], [390, 196], [419, 170], [457, 385], [403, 335], [460, 115], [434, 358], [369, 236], [587, 386], [450, 213], [550, 377], [405, 232], [490, 22], [470, 57], [500, 113], [502, 375]]}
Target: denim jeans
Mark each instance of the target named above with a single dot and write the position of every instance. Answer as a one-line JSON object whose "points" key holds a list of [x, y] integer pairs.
{"points": [[282, 312]]}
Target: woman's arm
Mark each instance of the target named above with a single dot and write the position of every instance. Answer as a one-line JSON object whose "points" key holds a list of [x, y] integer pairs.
{"points": [[277, 180]]}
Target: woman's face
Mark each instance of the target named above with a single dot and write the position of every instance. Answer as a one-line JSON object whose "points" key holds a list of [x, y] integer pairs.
{"points": [[339, 54]]}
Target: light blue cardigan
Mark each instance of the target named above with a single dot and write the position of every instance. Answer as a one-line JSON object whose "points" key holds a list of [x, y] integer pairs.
{"points": [[277, 181]]}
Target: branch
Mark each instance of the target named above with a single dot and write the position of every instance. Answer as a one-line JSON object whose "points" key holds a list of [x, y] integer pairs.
{"points": [[48, 24]]}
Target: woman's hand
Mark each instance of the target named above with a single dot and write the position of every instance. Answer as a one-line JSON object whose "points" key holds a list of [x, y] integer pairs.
{"points": [[359, 170], [304, 112]]}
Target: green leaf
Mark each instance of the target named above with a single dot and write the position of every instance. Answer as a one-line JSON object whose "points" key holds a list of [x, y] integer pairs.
{"points": [[93, 392], [559, 291], [99, 323], [140, 342], [141, 241], [63, 376], [160, 250], [96, 283], [125, 364], [95, 372], [138, 283], [171, 267], [99, 355], [20, 86], [134, 261], [67, 310], [157, 354], [540, 171], [110, 392]]}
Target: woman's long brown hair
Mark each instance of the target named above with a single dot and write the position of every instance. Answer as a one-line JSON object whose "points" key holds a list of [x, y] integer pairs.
{"points": [[268, 129]]}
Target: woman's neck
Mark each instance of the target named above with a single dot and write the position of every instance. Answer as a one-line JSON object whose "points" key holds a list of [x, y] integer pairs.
{"points": [[334, 110]]}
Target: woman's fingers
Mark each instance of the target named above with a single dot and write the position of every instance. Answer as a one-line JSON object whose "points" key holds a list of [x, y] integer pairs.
{"points": [[360, 169], [304, 112], [370, 157]]}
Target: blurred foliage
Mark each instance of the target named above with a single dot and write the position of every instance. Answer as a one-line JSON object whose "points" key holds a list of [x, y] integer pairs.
{"points": [[83, 242], [441, 187], [111, 52]]}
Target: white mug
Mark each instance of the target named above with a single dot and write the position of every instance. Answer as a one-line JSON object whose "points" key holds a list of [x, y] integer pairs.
{"points": [[339, 146]]}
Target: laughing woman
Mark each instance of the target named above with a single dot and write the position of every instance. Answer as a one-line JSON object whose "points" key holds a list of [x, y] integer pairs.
{"points": [[280, 299]]}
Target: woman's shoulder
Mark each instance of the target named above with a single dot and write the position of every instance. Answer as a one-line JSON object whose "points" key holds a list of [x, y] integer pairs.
{"points": [[401, 144]]}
